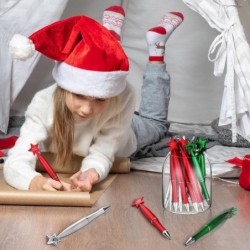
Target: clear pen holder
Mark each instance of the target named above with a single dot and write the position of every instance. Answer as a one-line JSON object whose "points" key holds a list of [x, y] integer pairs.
{"points": [[186, 184]]}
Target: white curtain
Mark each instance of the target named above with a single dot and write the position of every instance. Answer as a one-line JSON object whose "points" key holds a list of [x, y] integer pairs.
{"points": [[229, 50], [24, 17]]}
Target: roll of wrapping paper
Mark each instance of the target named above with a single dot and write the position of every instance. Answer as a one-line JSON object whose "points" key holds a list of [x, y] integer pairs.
{"points": [[120, 164], [11, 196]]}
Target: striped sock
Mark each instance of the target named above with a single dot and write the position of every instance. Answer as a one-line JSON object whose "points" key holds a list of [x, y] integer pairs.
{"points": [[113, 18]]}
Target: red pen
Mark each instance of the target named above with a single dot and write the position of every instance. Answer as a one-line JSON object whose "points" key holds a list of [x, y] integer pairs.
{"points": [[151, 217], [181, 181], [191, 176], [35, 150], [175, 199]]}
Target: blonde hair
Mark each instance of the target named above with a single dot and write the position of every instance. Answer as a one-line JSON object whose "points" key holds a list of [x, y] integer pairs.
{"points": [[63, 129], [63, 126]]}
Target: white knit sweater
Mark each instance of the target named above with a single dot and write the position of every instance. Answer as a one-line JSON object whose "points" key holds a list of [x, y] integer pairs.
{"points": [[98, 139]]}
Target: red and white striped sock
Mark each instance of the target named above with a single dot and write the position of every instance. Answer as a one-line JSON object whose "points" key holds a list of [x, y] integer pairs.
{"points": [[171, 21], [158, 36], [113, 18]]}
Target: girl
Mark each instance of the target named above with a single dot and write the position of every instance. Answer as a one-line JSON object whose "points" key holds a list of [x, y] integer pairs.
{"points": [[89, 110]]}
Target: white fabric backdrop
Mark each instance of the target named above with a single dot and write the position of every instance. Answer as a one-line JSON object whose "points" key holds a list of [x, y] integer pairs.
{"points": [[230, 53], [20, 17], [41, 76], [196, 93]]}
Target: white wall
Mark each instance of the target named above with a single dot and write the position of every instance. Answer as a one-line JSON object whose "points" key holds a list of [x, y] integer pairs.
{"points": [[196, 93]]}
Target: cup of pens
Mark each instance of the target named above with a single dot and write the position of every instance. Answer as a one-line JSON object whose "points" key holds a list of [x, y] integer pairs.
{"points": [[186, 177]]}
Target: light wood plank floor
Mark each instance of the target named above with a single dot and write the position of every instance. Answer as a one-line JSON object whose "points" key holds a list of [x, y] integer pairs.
{"points": [[124, 227]]}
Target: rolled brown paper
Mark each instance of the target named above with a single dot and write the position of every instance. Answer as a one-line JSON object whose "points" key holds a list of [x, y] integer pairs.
{"points": [[121, 164], [11, 196]]}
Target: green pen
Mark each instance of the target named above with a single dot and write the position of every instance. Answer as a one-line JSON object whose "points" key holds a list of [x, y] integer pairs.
{"points": [[191, 147], [216, 221], [201, 147]]}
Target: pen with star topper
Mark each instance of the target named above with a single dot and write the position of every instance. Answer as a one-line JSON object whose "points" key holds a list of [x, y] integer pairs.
{"points": [[139, 203], [36, 151]]}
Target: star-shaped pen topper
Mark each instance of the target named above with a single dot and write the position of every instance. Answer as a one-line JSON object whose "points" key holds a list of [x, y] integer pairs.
{"points": [[201, 144], [34, 149], [183, 142], [138, 202], [173, 145], [191, 148]]}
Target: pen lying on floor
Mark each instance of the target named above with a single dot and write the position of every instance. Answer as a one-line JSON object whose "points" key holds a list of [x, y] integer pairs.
{"points": [[151, 217], [54, 239], [216, 221]]}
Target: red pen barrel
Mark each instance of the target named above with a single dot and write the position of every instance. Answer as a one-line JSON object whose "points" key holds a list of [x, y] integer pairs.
{"points": [[48, 168], [180, 178], [173, 181], [152, 218], [35, 150]]}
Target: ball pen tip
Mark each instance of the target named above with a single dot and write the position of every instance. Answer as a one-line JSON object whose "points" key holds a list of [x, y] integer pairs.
{"points": [[106, 208], [166, 234]]}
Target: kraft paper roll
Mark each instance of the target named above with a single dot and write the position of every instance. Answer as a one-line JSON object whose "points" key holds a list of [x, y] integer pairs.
{"points": [[120, 165], [11, 196]]}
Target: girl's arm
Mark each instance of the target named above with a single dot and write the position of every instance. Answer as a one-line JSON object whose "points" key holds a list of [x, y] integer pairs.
{"points": [[19, 168], [112, 138]]}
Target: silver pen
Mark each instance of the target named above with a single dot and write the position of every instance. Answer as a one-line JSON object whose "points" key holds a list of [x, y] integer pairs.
{"points": [[54, 239]]}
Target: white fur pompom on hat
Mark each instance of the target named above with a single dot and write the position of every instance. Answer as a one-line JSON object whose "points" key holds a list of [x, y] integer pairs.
{"points": [[21, 47]]}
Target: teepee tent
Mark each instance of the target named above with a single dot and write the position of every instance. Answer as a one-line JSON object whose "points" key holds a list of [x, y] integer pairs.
{"points": [[230, 52], [20, 16]]}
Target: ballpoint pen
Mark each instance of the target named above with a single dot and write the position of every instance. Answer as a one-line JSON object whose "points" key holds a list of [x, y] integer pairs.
{"points": [[216, 221], [201, 147], [174, 187], [190, 147], [35, 150], [181, 182], [192, 179], [54, 239], [151, 217], [191, 192]]}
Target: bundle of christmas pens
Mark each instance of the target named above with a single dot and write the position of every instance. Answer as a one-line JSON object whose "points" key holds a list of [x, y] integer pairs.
{"points": [[185, 186]]}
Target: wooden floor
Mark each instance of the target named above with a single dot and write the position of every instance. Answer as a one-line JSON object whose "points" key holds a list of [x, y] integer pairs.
{"points": [[124, 227]]}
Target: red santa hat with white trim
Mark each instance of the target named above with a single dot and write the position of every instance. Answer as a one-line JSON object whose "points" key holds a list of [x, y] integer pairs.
{"points": [[89, 60]]}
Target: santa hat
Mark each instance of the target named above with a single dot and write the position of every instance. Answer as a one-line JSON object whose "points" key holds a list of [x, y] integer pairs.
{"points": [[89, 59]]}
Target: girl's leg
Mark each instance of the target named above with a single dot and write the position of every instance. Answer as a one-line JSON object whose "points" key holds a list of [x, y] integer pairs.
{"points": [[151, 123]]}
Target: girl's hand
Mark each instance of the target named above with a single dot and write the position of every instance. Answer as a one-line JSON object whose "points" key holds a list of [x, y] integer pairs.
{"points": [[40, 183], [83, 181]]}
